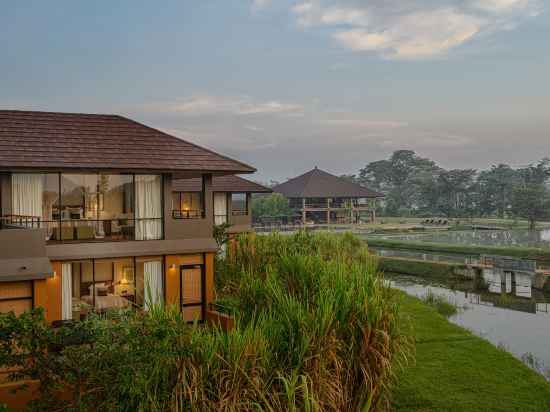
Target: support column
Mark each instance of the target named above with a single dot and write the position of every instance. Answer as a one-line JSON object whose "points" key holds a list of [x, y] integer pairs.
{"points": [[303, 211], [328, 211]]}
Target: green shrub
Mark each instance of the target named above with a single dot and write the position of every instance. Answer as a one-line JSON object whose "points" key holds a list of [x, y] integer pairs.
{"points": [[419, 268], [440, 303], [316, 329]]}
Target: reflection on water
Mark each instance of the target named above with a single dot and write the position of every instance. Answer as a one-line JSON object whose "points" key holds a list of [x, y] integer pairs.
{"points": [[520, 324], [426, 256], [537, 238]]}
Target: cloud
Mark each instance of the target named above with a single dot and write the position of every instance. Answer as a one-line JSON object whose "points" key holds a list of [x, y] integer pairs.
{"points": [[412, 29], [215, 105], [260, 4]]}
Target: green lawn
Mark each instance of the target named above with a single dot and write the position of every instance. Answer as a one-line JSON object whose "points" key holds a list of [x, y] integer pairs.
{"points": [[457, 371]]}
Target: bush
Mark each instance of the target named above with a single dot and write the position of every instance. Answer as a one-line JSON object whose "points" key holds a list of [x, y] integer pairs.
{"points": [[317, 329], [328, 315], [440, 303]]}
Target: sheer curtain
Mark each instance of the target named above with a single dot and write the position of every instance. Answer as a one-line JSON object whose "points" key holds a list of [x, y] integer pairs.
{"points": [[148, 207], [26, 194], [152, 279], [220, 208], [66, 291]]}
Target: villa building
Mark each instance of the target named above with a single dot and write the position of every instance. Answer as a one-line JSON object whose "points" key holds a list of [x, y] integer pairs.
{"points": [[322, 198], [93, 215], [232, 200]]}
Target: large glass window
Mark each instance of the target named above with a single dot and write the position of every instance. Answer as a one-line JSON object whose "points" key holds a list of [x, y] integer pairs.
{"points": [[116, 206], [107, 284], [86, 207], [149, 281], [148, 207], [103, 285], [187, 205], [239, 204]]}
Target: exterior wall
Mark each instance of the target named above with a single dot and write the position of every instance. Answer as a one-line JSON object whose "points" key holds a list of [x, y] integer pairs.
{"points": [[173, 279], [5, 193], [22, 243], [240, 223], [188, 228], [47, 294]]}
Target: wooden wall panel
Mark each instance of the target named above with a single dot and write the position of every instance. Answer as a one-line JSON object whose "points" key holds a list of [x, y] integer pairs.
{"points": [[47, 294]]}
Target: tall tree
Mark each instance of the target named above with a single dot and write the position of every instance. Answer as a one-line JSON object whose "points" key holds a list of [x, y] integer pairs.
{"points": [[397, 177], [496, 187], [531, 199]]}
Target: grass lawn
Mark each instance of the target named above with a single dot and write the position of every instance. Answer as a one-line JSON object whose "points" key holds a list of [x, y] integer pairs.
{"points": [[541, 254], [457, 371]]}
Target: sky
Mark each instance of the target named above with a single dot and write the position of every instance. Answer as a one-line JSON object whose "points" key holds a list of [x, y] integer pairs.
{"points": [[286, 85]]}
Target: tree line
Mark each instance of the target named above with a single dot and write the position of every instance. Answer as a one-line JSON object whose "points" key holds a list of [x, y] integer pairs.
{"points": [[417, 186]]}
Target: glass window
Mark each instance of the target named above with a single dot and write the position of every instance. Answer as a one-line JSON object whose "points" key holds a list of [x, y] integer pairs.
{"points": [[239, 204], [103, 285], [50, 204], [79, 207], [148, 207], [149, 281], [116, 206], [187, 205]]}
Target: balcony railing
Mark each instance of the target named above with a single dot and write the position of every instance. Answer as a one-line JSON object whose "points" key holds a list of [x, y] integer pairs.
{"points": [[187, 214], [221, 219], [89, 229], [239, 212]]}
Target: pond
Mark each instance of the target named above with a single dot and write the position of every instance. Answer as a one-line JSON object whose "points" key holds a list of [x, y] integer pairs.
{"points": [[510, 315], [537, 238]]}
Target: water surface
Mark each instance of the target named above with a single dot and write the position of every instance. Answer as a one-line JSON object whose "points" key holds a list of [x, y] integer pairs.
{"points": [[509, 315], [537, 238]]}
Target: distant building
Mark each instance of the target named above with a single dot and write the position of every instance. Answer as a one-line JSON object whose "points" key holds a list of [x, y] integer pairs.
{"points": [[322, 198], [232, 200]]}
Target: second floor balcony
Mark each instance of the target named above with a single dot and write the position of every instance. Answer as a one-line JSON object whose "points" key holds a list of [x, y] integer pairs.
{"points": [[74, 207]]}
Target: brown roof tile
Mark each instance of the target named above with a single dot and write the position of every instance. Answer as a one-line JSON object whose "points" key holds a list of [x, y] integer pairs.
{"points": [[229, 183], [318, 183], [44, 140]]}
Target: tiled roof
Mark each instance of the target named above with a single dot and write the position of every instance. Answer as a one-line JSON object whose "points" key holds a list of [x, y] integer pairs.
{"points": [[318, 183], [229, 183], [43, 140]]}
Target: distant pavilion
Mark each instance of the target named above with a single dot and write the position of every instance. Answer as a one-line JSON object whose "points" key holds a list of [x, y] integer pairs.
{"points": [[322, 198]]}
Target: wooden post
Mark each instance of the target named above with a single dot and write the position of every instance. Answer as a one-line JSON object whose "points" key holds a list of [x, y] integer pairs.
{"points": [[303, 211], [328, 211]]}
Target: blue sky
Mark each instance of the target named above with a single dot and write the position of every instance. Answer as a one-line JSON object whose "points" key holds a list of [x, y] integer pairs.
{"points": [[286, 85]]}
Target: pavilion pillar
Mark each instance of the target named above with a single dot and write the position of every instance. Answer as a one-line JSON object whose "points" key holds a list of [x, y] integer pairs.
{"points": [[328, 211], [303, 211]]}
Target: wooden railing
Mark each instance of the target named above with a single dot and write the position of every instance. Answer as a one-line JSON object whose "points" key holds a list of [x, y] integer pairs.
{"points": [[20, 221]]}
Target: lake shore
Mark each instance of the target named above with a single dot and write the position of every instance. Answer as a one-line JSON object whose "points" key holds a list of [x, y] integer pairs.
{"points": [[457, 371], [539, 254]]}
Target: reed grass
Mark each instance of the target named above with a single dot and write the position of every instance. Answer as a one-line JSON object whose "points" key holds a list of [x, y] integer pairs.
{"points": [[316, 329]]}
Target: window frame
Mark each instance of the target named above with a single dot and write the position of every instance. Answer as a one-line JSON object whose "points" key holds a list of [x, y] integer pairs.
{"points": [[239, 212], [59, 222]]}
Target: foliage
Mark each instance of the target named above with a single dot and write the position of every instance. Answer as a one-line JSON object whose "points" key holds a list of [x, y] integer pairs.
{"points": [[317, 329], [417, 186], [314, 290], [440, 303], [274, 204], [420, 268], [457, 371], [220, 233], [533, 253]]}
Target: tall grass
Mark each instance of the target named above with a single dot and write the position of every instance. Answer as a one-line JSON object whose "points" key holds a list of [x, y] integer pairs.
{"points": [[326, 314], [316, 330]]}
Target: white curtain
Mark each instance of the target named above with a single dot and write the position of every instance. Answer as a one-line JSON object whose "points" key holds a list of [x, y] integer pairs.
{"points": [[66, 291], [220, 208], [148, 206], [26, 195], [152, 279]]}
